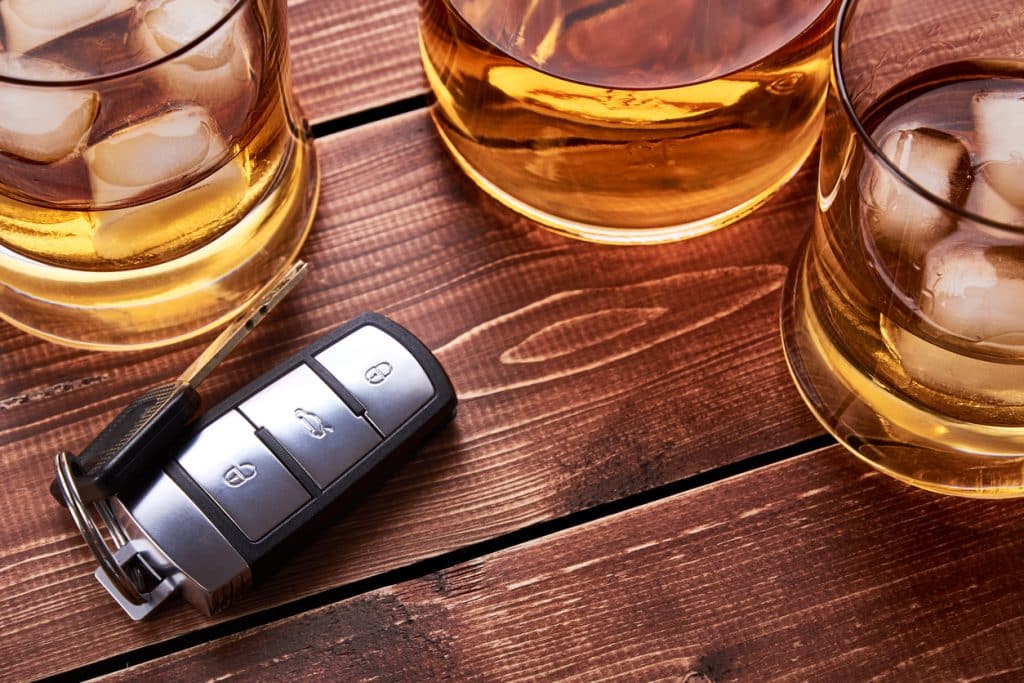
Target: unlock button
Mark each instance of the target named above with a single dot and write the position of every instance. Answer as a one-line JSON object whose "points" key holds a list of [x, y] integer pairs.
{"points": [[242, 476]]}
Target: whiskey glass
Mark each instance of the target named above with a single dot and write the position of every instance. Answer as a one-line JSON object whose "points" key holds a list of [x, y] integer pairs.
{"points": [[628, 122], [903, 317], [155, 169]]}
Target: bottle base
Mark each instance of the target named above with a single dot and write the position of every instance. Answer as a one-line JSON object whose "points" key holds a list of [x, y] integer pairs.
{"points": [[610, 234]]}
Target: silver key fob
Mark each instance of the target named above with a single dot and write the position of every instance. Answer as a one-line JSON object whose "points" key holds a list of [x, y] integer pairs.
{"points": [[293, 448]]}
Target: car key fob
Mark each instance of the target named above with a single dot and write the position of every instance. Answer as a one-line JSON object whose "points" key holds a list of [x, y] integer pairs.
{"points": [[253, 473]]}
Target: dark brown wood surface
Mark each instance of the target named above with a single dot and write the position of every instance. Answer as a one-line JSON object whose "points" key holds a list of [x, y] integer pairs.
{"points": [[816, 568], [353, 55], [586, 373]]}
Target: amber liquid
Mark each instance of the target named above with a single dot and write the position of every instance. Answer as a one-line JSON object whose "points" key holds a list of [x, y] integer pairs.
{"points": [[640, 121], [171, 220], [193, 184], [909, 345]]}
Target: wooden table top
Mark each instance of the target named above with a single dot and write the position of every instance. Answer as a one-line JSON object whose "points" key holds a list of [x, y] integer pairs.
{"points": [[632, 487]]}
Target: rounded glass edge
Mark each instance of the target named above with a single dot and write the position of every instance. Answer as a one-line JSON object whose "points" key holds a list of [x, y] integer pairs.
{"points": [[139, 68], [656, 88], [865, 138]]}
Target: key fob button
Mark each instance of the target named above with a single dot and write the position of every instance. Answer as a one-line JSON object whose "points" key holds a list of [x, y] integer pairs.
{"points": [[381, 373], [242, 476], [309, 419]]}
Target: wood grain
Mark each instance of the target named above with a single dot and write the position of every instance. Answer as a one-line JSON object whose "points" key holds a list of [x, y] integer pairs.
{"points": [[352, 55], [586, 373], [814, 569]]}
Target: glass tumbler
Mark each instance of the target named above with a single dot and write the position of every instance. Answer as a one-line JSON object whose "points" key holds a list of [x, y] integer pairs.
{"points": [[628, 121], [155, 171], [903, 319]]}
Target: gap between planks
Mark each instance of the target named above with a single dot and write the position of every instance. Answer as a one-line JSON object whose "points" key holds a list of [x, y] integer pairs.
{"points": [[444, 561]]}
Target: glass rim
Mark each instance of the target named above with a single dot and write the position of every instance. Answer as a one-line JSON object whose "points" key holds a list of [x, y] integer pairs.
{"points": [[873, 147], [131, 70], [829, 4]]}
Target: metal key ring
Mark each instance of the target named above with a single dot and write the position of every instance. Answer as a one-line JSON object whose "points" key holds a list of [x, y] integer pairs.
{"points": [[91, 533]]}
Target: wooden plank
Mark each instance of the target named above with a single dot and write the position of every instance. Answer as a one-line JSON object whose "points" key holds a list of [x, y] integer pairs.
{"points": [[350, 56], [812, 569], [586, 373]]}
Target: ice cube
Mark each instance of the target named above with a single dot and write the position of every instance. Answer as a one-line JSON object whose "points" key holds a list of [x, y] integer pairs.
{"points": [[999, 123], [901, 219], [1006, 177], [30, 23], [43, 124], [975, 290], [213, 71], [163, 225], [139, 159], [943, 370], [985, 201]]}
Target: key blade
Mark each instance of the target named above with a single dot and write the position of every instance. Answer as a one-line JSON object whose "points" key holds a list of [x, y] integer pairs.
{"points": [[243, 324]]}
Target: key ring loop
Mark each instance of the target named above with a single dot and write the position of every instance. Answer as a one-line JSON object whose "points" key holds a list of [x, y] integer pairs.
{"points": [[90, 532]]}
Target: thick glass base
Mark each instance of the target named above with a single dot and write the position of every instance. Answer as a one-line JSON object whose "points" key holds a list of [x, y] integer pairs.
{"points": [[178, 299], [883, 424], [619, 235]]}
